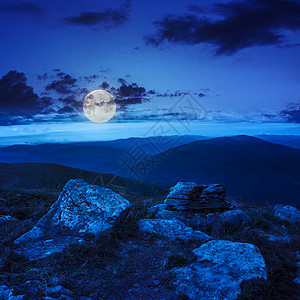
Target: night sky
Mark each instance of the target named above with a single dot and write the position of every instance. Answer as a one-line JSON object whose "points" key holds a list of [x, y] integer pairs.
{"points": [[239, 62]]}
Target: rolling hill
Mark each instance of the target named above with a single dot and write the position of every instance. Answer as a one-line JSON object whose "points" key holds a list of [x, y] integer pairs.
{"points": [[250, 167]]}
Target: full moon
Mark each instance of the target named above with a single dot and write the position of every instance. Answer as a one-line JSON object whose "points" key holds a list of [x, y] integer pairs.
{"points": [[99, 106]]}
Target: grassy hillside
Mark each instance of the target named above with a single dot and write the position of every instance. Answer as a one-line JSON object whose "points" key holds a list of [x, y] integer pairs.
{"points": [[45, 176]]}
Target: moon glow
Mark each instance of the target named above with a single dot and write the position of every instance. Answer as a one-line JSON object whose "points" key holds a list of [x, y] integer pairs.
{"points": [[99, 106]]}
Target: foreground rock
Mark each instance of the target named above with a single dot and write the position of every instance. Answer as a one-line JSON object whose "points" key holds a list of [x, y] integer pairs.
{"points": [[172, 229], [200, 205], [80, 209], [220, 268], [287, 213]]}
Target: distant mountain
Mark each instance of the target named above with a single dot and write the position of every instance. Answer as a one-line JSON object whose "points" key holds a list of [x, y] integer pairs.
{"points": [[45, 176], [287, 140], [93, 156], [250, 167]]}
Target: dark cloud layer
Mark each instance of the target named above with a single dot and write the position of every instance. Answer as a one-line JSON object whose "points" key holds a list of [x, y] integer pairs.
{"points": [[107, 18], [240, 25], [24, 8]]}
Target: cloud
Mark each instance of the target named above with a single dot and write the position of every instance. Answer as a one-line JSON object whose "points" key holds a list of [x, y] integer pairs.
{"points": [[129, 94], [18, 102], [71, 101], [292, 112], [63, 85], [90, 78], [43, 77], [66, 110], [16, 96], [238, 25], [24, 8], [107, 18]]}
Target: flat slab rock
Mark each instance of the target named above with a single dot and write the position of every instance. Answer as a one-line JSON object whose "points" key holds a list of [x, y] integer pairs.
{"points": [[220, 268], [287, 213], [80, 209], [172, 229], [191, 196]]}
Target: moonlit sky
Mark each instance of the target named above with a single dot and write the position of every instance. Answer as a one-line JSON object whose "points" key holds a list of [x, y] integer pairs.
{"points": [[239, 60]]}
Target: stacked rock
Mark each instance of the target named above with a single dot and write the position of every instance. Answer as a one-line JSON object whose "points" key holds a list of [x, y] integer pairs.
{"points": [[192, 197]]}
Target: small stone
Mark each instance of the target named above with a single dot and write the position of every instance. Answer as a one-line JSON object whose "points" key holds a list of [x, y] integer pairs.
{"points": [[85, 298], [58, 289], [236, 217], [65, 297], [287, 213], [156, 282], [19, 297]]}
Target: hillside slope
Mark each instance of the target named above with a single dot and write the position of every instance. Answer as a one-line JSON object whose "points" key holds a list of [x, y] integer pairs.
{"points": [[40, 176]]}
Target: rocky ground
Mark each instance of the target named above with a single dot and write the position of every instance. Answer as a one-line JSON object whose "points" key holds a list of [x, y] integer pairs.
{"points": [[187, 243]]}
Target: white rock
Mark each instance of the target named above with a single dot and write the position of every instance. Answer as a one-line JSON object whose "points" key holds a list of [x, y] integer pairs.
{"points": [[5, 292], [58, 289], [236, 217], [172, 229], [220, 268], [80, 209], [287, 213]]}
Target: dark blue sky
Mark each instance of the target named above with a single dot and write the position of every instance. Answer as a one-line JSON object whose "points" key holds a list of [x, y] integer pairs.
{"points": [[239, 60]]}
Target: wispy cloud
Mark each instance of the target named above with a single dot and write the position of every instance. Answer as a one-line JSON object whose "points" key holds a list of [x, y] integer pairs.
{"points": [[24, 8], [108, 18]]}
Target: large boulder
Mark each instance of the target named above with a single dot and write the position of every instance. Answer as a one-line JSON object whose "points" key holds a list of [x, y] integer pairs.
{"points": [[287, 213], [80, 209], [172, 229], [191, 196], [220, 268]]}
